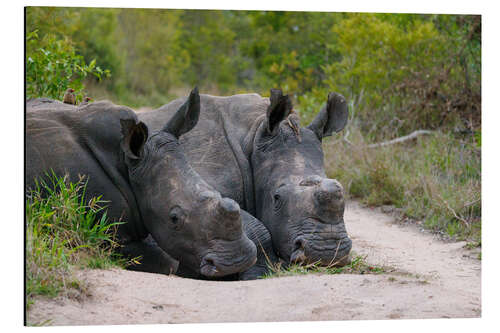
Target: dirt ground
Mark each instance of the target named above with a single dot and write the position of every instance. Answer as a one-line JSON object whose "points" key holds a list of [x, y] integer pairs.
{"points": [[431, 279]]}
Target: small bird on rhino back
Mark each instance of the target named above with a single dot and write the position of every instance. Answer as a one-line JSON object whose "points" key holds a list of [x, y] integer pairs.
{"points": [[69, 97], [85, 101]]}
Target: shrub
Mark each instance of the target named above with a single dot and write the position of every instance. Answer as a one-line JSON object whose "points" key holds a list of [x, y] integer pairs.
{"points": [[52, 66], [436, 179], [63, 231]]}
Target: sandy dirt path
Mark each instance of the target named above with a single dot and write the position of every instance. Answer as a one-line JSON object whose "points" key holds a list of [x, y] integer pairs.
{"points": [[431, 279]]}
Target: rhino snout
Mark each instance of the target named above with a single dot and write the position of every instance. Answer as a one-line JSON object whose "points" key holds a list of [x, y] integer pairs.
{"points": [[237, 256]]}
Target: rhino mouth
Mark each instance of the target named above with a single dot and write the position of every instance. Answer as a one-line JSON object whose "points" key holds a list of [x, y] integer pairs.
{"points": [[337, 255], [220, 263], [210, 267], [319, 242]]}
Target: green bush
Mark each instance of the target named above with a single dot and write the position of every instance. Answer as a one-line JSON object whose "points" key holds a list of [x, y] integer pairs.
{"points": [[52, 66], [64, 231], [403, 71], [404, 74]]}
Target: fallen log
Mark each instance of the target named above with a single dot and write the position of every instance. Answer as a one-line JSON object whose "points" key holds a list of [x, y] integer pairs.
{"points": [[400, 139]]}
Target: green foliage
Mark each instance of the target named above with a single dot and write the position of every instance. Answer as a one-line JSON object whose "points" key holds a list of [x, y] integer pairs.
{"points": [[394, 71], [152, 61], [209, 42], [52, 66], [63, 231], [402, 71]]}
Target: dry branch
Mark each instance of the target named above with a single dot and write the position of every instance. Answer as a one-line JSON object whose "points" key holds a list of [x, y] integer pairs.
{"points": [[400, 139], [461, 219]]}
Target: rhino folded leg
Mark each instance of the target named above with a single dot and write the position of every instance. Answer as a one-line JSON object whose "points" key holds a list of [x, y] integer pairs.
{"points": [[258, 233], [152, 258], [255, 272]]}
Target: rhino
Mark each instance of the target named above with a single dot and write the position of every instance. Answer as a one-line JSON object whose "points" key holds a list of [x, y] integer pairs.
{"points": [[254, 150], [253, 229], [167, 207]]}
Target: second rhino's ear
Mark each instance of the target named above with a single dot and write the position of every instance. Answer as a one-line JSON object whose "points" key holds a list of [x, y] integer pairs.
{"points": [[331, 118], [279, 108], [186, 117], [134, 136]]}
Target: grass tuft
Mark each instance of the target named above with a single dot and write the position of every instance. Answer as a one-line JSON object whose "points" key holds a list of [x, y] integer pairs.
{"points": [[358, 265], [64, 231]]}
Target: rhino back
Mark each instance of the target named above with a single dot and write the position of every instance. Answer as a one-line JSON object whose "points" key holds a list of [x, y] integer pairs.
{"points": [[211, 147], [44, 103], [83, 143]]}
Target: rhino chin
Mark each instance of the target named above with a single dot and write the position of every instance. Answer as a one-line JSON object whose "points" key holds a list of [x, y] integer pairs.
{"points": [[209, 268], [337, 257], [216, 264], [308, 251]]}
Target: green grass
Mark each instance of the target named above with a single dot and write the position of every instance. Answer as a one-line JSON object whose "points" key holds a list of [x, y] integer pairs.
{"points": [[435, 179], [65, 232], [358, 265]]}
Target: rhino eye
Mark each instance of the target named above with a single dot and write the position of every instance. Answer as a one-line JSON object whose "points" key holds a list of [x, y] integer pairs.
{"points": [[278, 202], [176, 218]]}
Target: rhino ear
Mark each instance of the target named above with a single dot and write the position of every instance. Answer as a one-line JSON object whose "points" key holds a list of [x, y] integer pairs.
{"points": [[134, 137], [331, 118], [279, 108], [186, 117]]}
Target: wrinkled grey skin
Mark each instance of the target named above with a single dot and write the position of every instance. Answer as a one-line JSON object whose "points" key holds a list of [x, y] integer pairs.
{"points": [[147, 180], [248, 149], [260, 236]]}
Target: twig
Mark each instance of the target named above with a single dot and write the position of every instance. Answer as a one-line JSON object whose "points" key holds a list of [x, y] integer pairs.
{"points": [[346, 135], [472, 203], [454, 213], [401, 139]]}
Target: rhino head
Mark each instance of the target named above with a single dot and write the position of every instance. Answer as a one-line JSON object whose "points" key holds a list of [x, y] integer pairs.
{"points": [[185, 216], [302, 208]]}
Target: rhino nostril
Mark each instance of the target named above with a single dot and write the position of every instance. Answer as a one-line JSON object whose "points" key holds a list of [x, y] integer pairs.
{"points": [[210, 262], [300, 243], [298, 255]]}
